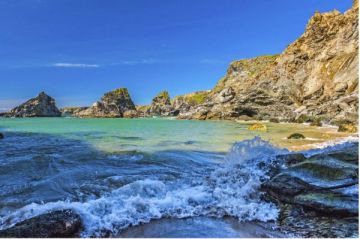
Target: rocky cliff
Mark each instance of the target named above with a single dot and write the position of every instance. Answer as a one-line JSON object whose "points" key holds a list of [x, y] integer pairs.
{"points": [[40, 106], [113, 104], [315, 77]]}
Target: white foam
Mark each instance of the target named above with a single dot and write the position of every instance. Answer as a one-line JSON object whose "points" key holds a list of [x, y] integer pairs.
{"points": [[231, 189]]}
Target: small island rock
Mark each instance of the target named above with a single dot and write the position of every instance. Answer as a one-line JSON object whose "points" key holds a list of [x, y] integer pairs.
{"points": [[40, 106]]}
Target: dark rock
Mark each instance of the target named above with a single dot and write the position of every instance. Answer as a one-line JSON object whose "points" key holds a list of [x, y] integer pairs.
{"points": [[296, 136], [328, 203], [1, 136], [323, 183], [316, 122], [62, 223], [40, 106], [274, 120], [291, 159]]}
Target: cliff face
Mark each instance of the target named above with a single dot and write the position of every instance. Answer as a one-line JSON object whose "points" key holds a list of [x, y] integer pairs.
{"points": [[316, 76], [112, 105], [40, 106]]}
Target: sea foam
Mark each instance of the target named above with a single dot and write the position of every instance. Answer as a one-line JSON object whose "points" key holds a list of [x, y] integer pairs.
{"points": [[231, 189]]}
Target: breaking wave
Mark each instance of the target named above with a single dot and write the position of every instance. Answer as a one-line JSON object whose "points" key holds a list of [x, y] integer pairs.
{"points": [[231, 188]]}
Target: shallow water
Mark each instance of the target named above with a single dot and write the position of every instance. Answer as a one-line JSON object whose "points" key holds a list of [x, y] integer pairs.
{"points": [[117, 173]]}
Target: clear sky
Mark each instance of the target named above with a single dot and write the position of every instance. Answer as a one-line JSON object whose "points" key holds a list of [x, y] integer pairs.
{"points": [[76, 50]]}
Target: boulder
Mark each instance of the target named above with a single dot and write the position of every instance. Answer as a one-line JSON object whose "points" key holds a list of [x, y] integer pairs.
{"points": [[348, 128], [324, 183], [296, 136], [40, 106], [258, 127], [2, 136], [62, 223]]}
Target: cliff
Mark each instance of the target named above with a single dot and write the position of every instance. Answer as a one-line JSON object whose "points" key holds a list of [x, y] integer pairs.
{"points": [[315, 77]]}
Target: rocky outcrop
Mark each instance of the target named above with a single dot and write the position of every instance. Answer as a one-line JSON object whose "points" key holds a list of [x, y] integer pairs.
{"points": [[323, 182], [317, 75], [63, 223], [184, 103], [160, 106], [40, 106], [112, 105], [71, 111], [320, 191]]}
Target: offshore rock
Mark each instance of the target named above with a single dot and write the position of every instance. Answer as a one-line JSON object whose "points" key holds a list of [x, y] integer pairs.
{"points": [[40, 106], [112, 105], [62, 223], [161, 105]]}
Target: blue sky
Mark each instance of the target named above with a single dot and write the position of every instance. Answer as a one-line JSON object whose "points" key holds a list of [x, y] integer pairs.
{"points": [[76, 50]]}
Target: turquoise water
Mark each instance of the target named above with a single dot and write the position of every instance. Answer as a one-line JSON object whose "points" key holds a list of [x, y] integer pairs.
{"points": [[159, 134], [119, 173]]}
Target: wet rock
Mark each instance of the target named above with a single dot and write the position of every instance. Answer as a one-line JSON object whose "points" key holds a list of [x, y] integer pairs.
{"points": [[62, 223], [258, 127], [40, 106], [291, 159], [2, 136], [324, 183], [296, 136], [296, 221], [329, 203]]}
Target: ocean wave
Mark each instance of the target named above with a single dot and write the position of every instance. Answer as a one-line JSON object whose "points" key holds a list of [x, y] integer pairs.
{"points": [[231, 189]]}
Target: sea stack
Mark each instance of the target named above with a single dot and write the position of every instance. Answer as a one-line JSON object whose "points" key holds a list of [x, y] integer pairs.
{"points": [[112, 105], [40, 106], [161, 105]]}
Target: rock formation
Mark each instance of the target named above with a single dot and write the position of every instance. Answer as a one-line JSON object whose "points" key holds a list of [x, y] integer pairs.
{"points": [[62, 223], [317, 76], [185, 103], [40, 106], [71, 111], [112, 105], [320, 190], [161, 105]]}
